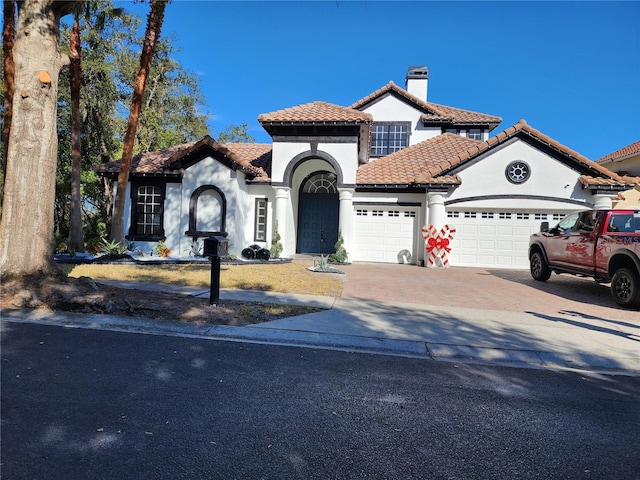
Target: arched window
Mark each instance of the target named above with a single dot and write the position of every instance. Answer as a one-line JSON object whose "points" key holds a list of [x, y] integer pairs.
{"points": [[321, 182], [207, 212]]}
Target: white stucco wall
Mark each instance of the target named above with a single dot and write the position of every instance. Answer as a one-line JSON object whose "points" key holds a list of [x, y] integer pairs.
{"points": [[345, 154], [392, 109], [549, 178], [245, 224], [174, 224], [208, 172]]}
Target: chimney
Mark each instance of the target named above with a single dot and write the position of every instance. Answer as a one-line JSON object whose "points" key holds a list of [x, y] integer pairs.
{"points": [[417, 82]]}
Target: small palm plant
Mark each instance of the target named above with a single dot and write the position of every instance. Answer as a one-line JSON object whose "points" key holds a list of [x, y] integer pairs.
{"points": [[113, 248], [321, 263]]}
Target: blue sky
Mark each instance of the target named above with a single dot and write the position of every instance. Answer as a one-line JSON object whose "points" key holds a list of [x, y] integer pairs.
{"points": [[570, 69]]}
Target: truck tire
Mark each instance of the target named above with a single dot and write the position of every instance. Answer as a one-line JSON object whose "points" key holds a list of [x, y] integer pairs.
{"points": [[625, 288], [538, 266]]}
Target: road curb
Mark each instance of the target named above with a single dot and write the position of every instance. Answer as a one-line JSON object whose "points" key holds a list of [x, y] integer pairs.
{"points": [[505, 357]]}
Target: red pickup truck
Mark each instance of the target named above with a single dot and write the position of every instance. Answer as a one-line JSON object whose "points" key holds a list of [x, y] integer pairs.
{"points": [[603, 244]]}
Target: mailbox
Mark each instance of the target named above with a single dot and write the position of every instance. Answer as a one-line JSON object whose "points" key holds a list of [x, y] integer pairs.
{"points": [[216, 247]]}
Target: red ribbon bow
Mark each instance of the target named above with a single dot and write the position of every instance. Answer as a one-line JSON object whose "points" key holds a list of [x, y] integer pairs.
{"points": [[438, 243]]}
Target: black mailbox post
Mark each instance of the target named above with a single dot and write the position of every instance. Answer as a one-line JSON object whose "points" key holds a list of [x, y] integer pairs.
{"points": [[214, 248]]}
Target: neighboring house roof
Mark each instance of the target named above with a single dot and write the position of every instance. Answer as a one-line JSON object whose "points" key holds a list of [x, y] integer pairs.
{"points": [[171, 162], [315, 113], [611, 183], [623, 153], [438, 160], [433, 112]]}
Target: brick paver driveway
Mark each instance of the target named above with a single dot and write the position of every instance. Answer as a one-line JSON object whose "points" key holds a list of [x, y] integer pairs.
{"points": [[511, 290]]}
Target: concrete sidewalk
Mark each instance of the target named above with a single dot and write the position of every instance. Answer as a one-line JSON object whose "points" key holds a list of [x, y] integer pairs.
{"points": [[566, 340]]}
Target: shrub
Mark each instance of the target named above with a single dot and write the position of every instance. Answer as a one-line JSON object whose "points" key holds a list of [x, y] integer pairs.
{"points": [[162, 249], [95, 231], [276, 246], [341, 254]]}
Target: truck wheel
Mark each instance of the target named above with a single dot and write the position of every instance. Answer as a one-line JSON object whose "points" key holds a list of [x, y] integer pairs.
{"points": [[539, 269], [625, 288]]}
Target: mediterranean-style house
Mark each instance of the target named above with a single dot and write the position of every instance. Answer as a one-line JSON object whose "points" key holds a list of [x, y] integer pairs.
{"points": [[393, 174], [625, 161]]}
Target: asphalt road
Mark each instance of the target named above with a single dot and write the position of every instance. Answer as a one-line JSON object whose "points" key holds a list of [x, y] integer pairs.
{"points": [[89, 404]]}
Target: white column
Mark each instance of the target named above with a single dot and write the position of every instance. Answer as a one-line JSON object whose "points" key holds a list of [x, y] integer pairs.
{"points": [[282, 197], [436, 216], [602, 202], [346, 217]]}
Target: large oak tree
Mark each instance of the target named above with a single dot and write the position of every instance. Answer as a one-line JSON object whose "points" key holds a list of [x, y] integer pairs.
{"points": [[26, 228]]}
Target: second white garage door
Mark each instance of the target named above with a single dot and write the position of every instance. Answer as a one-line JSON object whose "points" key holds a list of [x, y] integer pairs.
{"points": [[498, 239], [385, 234]]}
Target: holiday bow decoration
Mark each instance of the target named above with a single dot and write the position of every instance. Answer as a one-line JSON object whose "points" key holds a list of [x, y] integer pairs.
{"points": [[438, 243]]}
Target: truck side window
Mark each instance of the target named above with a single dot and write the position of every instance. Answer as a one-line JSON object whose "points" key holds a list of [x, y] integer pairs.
{"points": [[568, 222], [586, 222], [620, 223]]}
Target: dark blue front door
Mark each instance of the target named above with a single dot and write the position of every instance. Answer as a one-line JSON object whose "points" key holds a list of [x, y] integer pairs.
{"points": [[318, 223]]}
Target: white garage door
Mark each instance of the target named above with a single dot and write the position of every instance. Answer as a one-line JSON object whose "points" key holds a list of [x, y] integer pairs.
{"points": [[498, 239], [385, 234]]}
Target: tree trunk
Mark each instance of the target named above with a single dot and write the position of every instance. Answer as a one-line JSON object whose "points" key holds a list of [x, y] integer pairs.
{"points": [[26, 229], [8, 40], [154, 24], [76, 240]]}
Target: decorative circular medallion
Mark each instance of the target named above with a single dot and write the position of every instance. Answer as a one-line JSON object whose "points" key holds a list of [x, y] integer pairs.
{"points": [[518, 172]]}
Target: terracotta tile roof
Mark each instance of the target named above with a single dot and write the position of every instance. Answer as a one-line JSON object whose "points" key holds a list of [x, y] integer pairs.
{"points": [[256, 154], [316, 112], [462, 117], [151, 162], [590, 181], [420, 163], [170, 161], [433, 111], [629, 150], [433, 160]]}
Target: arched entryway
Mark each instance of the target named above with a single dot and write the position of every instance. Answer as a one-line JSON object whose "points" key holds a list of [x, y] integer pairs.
{"points": [[318, 214]]}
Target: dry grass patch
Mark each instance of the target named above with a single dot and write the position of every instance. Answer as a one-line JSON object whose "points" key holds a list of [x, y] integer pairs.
{"points": [[282, 277], [85, 296]]}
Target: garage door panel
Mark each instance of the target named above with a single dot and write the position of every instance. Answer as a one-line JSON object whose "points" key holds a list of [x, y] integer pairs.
{"points": [[486, 230], [504, 245], [487, 245], [466, 229], [468, 243], [524, 230], [377, 230], [504, 230], [504, 261], [494, 238], [391, 231]]}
